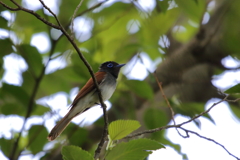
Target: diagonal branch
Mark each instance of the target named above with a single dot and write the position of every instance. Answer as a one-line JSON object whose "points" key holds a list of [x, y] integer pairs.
{"points": [[103, 105], [168, 104], [74, 15], [19, 7]]}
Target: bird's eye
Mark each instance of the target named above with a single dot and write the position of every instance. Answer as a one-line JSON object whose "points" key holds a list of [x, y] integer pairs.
{"points": [[110, 65]]}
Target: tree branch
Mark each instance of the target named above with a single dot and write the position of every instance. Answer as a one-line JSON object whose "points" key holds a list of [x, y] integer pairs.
{"points": [[168, 104], [30, 108], [60, 27], [103, 105], [187, 131], [29, 11], [74, 14], [209, 139]]}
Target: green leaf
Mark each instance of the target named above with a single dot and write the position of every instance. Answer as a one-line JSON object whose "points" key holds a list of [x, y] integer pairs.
{"points": [[163, 5], [6, 47], [26, 24], [121, 128], [32, 57], [60, 80], [3, 22], [155, 118], [40, 110], [14, 99], [75, 153], [128, 50], [192, 9], [37, 138], [235, 109], [12, 108], [134, 150], [140, 88], [76, 135], [150, 31], [64, 16], [6, 146], [234, 90]]}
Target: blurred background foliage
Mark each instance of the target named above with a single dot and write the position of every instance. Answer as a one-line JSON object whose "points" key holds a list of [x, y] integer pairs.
{"points": [[184, 40]]}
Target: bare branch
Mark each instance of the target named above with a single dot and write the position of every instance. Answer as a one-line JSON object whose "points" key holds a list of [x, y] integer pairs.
{"points": [[10, 8], [208, 110], [209, 139], [187, 131], [31, 12], [38, 80], [49, 10], [31, 103], [74, 14], [168, 104], [103, 105]]}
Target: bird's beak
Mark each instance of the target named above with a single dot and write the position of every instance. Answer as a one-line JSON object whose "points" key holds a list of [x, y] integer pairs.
{"points": [[120, 65]]}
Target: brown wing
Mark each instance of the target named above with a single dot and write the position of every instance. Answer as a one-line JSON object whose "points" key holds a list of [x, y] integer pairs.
{"points": [[88, 87]]}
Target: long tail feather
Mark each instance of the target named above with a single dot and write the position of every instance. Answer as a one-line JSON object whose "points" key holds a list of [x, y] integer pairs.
{"points": [[59, 128]]}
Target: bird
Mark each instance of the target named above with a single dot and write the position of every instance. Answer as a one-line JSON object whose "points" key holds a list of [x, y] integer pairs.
{"points": [[87, 97]]}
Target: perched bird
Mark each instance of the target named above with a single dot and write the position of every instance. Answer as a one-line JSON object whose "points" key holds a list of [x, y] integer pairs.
{"points": [[87, 97]]}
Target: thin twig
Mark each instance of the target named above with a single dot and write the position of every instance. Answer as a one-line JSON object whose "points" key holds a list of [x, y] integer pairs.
{"points": [[165, 97], [74, 14], [209, 139], [207, 111], [8, 7], [168, 104], [50, 11], [188, 131], [30, 108], [80, 14], [31, 12], [42, 73]]}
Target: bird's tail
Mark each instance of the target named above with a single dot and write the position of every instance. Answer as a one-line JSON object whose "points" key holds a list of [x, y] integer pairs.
{"points": [[58, 129]]}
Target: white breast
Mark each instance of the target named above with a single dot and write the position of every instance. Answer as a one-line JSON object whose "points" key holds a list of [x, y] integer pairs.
{"points": [[107, 88]]}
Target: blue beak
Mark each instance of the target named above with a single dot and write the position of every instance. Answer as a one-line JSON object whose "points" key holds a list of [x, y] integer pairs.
{"points": [[120, 65]]}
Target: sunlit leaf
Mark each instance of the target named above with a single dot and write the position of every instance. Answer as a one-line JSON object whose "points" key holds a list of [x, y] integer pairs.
{"points": [[121, 128], [192, 9]]}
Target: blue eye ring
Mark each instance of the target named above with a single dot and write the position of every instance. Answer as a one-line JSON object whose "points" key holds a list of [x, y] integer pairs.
{"points": [[110, 65]]}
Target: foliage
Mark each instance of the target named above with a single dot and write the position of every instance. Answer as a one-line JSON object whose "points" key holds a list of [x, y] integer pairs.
{"points": [[234, 89], [132, 150], [119, 31]]}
